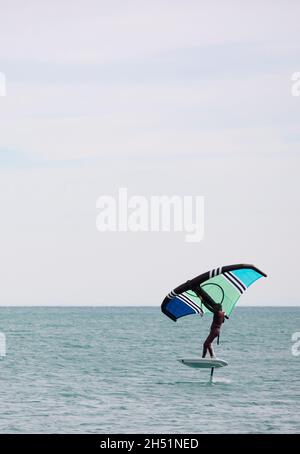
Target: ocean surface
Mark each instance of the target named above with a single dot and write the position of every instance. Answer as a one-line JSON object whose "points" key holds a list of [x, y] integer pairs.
{"points": [[114, 370]]}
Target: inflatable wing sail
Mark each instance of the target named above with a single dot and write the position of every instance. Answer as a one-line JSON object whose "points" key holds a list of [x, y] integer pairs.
{"points": [[222, 285]]}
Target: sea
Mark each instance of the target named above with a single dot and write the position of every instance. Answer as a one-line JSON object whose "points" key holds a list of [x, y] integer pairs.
{"points": [[109, 370]]}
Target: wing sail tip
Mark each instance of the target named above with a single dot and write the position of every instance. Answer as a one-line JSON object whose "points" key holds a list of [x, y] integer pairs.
{"points": [[165, 310], [259, 271], [245, 265]]}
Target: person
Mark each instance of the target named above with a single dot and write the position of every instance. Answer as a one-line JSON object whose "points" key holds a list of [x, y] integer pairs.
{"points": [[218, 320]]}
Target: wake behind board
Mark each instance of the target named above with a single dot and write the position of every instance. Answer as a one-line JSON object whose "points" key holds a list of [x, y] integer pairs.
{"points": [[203, 363]]}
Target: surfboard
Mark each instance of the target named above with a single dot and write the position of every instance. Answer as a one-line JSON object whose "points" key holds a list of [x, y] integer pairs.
{"points": [[203, 363]]}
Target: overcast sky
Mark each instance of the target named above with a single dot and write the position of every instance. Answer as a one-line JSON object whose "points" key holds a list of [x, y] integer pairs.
{"points": [[161, 97]]}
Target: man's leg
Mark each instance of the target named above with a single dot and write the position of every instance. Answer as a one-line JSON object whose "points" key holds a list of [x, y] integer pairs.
{"points": [[211, 351], [207, 345], [213, 336]]}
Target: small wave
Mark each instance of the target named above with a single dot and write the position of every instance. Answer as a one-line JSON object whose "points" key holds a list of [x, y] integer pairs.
{"points": [[185, 383], [223, 381]]}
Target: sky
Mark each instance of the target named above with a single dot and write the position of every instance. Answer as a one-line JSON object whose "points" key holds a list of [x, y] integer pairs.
{"points": [[163, 98]]}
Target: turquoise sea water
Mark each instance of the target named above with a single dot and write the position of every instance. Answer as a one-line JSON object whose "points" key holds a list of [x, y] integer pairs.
{"points": [[114, 370]]}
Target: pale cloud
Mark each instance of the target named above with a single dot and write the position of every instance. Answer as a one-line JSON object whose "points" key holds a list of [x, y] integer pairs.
{"points": [[94, 30], [61, 122]]}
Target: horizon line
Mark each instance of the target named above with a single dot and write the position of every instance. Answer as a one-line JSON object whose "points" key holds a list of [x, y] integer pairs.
{"points": [[129, 306]]}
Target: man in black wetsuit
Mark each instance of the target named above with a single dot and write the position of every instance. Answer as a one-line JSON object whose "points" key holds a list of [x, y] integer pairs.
{"points": [[218, 320]]}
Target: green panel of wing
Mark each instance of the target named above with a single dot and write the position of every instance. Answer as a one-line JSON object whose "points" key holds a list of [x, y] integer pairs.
{"points": [[220, 291]]}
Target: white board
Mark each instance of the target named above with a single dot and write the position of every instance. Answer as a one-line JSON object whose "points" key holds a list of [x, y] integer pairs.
{"points": [[204, 363]]}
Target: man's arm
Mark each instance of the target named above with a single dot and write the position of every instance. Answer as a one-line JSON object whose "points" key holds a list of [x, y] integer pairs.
{"points": [[212, 307]]}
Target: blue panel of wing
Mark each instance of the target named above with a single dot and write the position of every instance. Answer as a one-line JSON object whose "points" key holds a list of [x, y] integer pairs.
{"points": [[178, 308], [247, 275]]}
